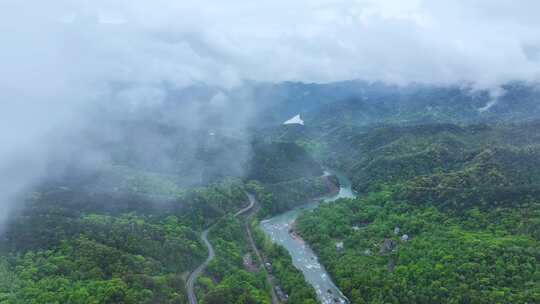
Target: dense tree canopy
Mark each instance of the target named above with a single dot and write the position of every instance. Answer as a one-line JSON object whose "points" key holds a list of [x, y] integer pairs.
{"points": [[481, 257]]}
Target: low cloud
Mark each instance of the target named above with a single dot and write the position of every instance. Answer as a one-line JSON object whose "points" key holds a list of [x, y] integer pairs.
{"points": [[65, 61]]}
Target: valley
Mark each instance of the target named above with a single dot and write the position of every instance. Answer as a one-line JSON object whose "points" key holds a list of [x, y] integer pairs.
{"points": [[416, 211], [270, 152], [280, 229]]}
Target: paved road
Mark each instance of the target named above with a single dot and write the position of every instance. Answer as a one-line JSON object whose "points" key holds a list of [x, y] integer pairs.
{"points": [[195, 274], [251, 204], [190, 284]]}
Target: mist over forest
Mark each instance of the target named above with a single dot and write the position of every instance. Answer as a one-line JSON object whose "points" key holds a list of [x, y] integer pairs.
{"points": [[270, 152]]}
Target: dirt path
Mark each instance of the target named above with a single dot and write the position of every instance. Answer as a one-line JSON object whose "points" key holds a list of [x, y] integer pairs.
{"points": [[269, 280], [253, 245]]}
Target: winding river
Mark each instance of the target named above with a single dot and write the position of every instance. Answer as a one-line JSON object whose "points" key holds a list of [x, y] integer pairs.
{"points": [[277, 228]]}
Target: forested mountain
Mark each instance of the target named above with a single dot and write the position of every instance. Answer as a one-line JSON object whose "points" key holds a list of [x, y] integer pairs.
{"points": [[462, 182], [449, 163], [397, 251], [449, 195], [447, 214], [270, 152], [127, 231], [69, 245], [281, 161], [362, 103]]}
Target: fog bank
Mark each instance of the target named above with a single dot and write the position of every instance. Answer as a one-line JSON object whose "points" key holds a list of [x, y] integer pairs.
{"points": [[73, 68]]}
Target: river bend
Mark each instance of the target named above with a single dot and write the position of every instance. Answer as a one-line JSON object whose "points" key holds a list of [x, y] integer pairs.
{"points": [[278, 227]]}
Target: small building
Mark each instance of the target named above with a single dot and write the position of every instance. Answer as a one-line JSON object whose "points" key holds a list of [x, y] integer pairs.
{"points": [[405, 237], [339, 246], [396, 230]]}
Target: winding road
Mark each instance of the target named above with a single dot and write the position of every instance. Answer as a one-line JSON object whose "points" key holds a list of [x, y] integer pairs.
{"points": [[251, 204], [195, 274], [303, 258], [190, 284]]}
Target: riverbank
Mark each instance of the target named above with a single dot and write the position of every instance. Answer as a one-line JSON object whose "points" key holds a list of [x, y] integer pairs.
{"points": [[284, 196], [280, 229], [333, 190]]}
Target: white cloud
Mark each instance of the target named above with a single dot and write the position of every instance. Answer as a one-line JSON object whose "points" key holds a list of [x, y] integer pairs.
{"points": [[58, 58], [222, 43]]}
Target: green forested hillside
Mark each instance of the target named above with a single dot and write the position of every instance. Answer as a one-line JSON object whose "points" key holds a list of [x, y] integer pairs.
{"points": [[448, 208], [74, 248], [478, 257], [446, 214], [284, 175], [492, 178], [123, 234], [281, 197], [114, 259], [274, 162], [390, 154], [227, 280]]}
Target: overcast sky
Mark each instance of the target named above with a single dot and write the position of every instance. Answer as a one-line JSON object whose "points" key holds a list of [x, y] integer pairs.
{"points": [[58, 57], [223, 42]]}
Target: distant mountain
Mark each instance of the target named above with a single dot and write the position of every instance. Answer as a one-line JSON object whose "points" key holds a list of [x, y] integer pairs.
{"points": [[444, 163], [361, 103]]}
